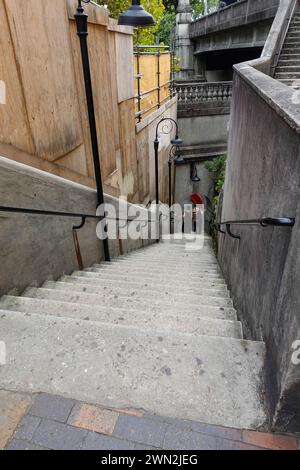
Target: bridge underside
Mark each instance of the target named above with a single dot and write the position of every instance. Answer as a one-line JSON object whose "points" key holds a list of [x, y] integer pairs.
{"points": [[244, 37], [218, 65]]}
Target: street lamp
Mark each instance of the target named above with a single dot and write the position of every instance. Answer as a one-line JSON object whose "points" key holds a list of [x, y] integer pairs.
{"points": [[166, 129], [194, 173], [82, 30], [136, 16], [176, 158]]}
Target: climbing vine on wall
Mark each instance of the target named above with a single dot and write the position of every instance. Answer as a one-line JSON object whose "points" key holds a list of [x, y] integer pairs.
{"points": [[217, 166]]}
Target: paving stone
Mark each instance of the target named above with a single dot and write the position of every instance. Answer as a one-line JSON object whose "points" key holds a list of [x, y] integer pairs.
{"points": [[52, 407], [13, 407], [209, 429], [218, 431], [131, 412], [27, 428], [95, 441], [18, 444], [179, 438], [144, 447], [93, 418], [58, 436], [140, 430], [226, 444], [270, 441]]}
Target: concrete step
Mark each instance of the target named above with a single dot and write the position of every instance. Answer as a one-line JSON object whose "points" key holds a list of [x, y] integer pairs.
{"points": [[137, 282], [35, 302], [163, 320], [289, 63], [287, 75], [141, 284], [290, 45], [146, 274], [129, 292], [172, 258], [289, 56], [288, 68], [169, 256], [157, 263], [293, 33], [181, 303], [290, 83], [291, 49], [201, 378], [96, 286], [172, 278], [292, 39], [129, 268]]}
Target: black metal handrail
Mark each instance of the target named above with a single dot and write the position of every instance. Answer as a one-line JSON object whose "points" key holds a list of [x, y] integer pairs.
{"points": [[20, 210], [263, 222], [75, 228]]}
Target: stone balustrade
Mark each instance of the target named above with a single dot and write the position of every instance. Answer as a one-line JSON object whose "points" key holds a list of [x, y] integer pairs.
{"points": [[195, 93]]}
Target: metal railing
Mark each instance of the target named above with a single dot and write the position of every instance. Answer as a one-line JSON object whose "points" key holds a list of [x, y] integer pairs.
{"points": [[194, 93], [264, 222], [74, 215], [155, 51]]}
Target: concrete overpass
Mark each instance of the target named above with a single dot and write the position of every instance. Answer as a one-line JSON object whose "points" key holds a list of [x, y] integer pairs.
{"points": [[217, 41]]}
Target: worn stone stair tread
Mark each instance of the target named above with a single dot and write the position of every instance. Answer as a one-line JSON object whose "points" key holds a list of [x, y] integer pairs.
{"points": [[125, 302], [143, 285], [164, 268], [185, 324], [202, 378], [146, 273], [156, 265], [28, 304], [136, 293], [288, 67], [116, 279], [167, 260]]}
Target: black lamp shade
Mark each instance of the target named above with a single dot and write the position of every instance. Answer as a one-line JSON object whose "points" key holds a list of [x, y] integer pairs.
{"points": [[179, 160], [136, 16], [194, 174], [177, 141]]}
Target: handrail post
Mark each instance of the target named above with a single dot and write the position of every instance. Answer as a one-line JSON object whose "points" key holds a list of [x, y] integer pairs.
{"points": [[156, 147], [82, 31], [158, 78]]}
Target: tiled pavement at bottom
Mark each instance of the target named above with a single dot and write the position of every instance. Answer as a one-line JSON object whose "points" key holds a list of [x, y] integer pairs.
{"points": [[59, 423]]}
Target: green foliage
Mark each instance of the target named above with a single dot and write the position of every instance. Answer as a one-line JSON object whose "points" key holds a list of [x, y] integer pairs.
{"points": [[198, 7], [167, 25], [155, 7], [217, 166]]}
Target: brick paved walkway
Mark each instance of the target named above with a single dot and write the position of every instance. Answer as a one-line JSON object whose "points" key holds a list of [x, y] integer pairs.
{"points": [[51, 422]]}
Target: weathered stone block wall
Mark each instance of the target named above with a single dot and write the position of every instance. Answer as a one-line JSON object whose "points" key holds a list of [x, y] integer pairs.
{"points": [[262, 180]]}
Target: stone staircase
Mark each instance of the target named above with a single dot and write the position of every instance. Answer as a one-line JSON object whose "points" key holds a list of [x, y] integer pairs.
{"points": [[155, 329], [288, 67]]}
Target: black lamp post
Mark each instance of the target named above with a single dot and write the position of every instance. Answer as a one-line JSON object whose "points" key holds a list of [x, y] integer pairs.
{"points": [[136, 16], [176, 158], [82, 30], [175, 142]]}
